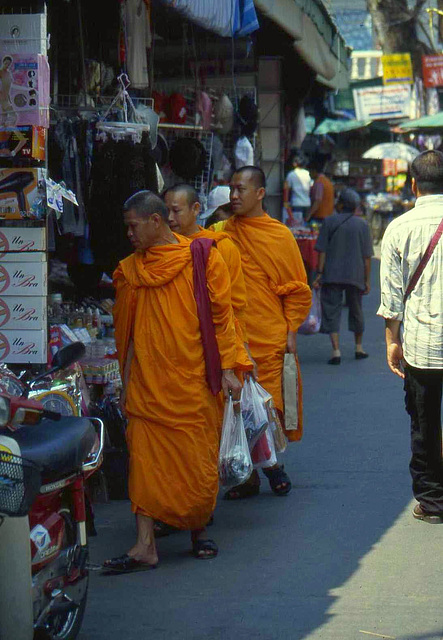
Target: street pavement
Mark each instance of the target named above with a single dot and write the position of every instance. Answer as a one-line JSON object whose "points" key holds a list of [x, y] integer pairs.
{"points": [[340, 558]]}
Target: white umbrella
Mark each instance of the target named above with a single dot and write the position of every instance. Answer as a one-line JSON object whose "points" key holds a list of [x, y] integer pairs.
{"points": [[391, 151]]}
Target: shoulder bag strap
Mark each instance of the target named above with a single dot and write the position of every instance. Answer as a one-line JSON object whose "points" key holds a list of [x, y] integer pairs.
{"points": [[423, 262], [339, 225]]}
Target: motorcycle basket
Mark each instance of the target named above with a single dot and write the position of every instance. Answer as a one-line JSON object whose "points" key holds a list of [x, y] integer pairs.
{"points": [[20, 482]]}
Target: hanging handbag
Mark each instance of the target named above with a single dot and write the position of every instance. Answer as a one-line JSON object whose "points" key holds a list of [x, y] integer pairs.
{"points": [[423, 262]]}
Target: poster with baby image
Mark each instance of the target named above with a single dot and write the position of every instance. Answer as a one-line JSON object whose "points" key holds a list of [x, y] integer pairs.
{"points": [[24, 89]]}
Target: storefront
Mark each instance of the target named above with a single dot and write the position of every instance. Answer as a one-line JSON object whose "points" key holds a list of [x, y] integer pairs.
{"points": [[126, 96]]}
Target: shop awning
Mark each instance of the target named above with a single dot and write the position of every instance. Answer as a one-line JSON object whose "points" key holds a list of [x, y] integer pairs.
{"points": [[316, 37], [224, 17], [430, 124], [340, 126]]}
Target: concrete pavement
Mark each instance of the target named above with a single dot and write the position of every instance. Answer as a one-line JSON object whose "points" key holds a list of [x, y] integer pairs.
{"points": [[340, 558]]}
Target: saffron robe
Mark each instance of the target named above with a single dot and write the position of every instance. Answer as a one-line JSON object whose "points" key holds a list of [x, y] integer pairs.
{"points": [[232, 258], [279, 297], [173, 430]]}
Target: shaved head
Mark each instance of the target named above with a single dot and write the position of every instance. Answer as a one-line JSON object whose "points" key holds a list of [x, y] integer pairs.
{"points": [[191, 194], [255, 173], [145, 203]]}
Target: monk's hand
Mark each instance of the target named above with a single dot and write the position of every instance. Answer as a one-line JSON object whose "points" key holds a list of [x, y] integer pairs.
{"points": [[231, 384], [291, 346]]}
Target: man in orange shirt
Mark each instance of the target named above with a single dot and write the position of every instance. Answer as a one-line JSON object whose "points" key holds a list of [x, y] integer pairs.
{"points": [[279, 299], [322, 194], [173, 416]]}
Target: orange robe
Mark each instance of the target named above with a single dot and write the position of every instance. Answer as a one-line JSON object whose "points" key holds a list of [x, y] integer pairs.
{"points": [[173, 434], [279, 297], [232, 258]]}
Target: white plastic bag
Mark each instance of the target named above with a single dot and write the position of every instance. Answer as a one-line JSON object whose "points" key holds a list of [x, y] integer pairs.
{"points": [[253, 409], [312, 321], [234, 462]]}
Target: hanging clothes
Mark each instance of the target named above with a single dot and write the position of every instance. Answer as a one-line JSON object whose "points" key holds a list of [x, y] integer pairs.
{"points": [[119, 169], [138, 41]]}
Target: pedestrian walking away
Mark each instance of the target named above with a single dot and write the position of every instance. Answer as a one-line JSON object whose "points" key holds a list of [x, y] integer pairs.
{"points": [[169, 395], [411, 296], [344, 266], [322, 194], [296, 191], [278, 298]]}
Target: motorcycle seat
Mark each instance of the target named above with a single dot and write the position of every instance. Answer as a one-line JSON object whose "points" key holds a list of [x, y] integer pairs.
{"points": [[57, 447]]}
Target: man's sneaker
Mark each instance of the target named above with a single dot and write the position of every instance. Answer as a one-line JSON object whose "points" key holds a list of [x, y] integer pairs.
{"points": [[431, 518]]}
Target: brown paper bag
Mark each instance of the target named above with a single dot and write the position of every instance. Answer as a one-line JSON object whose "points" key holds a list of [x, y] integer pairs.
{"points": [[290, 392]]}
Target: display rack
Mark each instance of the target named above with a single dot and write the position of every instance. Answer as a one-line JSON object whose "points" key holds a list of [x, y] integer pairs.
{"points": [[172, 132]]}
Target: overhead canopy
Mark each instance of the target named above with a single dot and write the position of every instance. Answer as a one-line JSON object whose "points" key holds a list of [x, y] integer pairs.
{"points": [[427, 123], [316, 37], [340, 126], [224, 17]]}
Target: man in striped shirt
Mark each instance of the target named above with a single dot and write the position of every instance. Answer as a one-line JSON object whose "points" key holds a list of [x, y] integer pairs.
{"points": [[416, 354]]}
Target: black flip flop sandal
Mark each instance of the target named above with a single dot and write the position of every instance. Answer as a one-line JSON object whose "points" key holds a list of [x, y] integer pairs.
{"points": [[200, 549], [248, 489], [125, 564], [277, 478]]}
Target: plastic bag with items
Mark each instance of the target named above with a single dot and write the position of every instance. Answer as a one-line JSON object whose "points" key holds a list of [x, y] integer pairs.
{"points": [[253, 409], [312, 322], [234, 462], [263, 454], [278, 434]]}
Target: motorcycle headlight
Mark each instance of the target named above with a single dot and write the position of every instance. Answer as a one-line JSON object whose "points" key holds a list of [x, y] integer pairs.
{"points": [[5, 411]]}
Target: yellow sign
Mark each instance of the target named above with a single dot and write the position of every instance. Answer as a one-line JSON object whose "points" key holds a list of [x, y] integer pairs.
{"points": [[397, 68]]}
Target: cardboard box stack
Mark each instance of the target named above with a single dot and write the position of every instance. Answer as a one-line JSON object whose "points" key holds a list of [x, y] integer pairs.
{"points": [[23, 294], [24, 118]]}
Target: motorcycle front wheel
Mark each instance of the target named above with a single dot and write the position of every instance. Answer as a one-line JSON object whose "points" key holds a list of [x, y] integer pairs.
{"points": [[66, 625]]}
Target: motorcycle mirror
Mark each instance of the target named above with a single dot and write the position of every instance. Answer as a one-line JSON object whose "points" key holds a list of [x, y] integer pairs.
{"points": [[68, 355]]}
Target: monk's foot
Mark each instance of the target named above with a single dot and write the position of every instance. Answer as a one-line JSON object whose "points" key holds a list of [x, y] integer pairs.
{"points": [[147, 555], [203, 548], [248, 489], [279, 480]]}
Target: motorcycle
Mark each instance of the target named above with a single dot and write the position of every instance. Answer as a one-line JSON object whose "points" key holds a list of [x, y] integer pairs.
{"points": [[45, 459]]}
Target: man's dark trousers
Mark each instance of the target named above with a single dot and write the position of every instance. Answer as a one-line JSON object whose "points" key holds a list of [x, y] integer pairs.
{"points": [[423, 389]]}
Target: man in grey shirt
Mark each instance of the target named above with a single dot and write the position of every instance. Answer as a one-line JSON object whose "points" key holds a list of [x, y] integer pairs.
{"points": [[345, 251]]}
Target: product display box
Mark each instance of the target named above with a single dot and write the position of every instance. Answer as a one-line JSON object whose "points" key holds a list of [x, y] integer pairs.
{"points": [[24, 312], [23, 142], [24, 89], [19, 192], [24, 278], [22, 240], [21, 346], [23, 32]]}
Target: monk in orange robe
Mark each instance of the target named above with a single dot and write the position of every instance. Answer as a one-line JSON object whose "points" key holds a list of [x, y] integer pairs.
{"points": [[184, 208], [173, 434], [279, 299]]}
